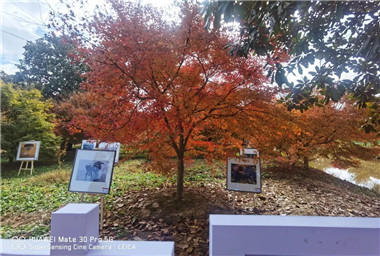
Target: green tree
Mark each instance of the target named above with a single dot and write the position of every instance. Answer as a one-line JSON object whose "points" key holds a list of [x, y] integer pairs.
{"points": [[47, 64], [5, 77], [25, 116], [344, 36]]}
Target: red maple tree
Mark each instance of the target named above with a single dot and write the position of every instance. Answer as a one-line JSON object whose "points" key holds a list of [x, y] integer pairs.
{"points": [[171, 88], [331, 132]]}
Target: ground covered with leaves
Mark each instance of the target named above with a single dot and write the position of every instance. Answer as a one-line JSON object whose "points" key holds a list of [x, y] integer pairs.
{"points": [[142, 206]]}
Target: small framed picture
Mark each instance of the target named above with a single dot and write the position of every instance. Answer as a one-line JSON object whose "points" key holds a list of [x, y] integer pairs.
{"points": [[111, 146], [88, 144], [249, 152], [92, 171], [28, 150], [243, 174]]}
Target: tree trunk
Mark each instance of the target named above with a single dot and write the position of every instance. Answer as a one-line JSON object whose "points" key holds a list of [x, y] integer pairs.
{"points": [[181, 168], [69, 146], [306, 162], [180, 174]]}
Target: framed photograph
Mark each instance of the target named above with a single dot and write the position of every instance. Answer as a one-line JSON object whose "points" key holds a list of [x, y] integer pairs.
{"points": [[111, 146], [88, 144], [249, 152], [28, 150], [243, 174], [92, 171]]}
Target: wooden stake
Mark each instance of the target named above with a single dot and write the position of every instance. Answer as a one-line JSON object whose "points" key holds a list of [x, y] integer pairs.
{"points": [[239, 196], [101, 211], [81, 198], [253, 201]]}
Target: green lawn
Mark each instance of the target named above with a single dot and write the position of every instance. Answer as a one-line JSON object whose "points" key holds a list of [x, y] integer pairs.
{"points": [[47, 190]]}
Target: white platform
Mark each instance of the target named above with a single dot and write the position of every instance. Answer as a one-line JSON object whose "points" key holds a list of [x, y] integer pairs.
{"points": [[115, 248], [248, 235]]}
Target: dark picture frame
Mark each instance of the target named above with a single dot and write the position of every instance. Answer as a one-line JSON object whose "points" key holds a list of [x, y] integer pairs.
{"points": [[92, 171], [244, 174]]}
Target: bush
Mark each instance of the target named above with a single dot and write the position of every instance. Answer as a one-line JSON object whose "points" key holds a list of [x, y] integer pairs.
{"points": [[25, 116]]}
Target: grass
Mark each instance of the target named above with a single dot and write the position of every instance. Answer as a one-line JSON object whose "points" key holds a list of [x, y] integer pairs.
{"points": [[28, 197], [25, 199], [28, 230], [201, 171]]}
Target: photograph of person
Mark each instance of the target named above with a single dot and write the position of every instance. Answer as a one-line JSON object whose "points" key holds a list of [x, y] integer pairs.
{"points": [[90, 170], [243, 174]]}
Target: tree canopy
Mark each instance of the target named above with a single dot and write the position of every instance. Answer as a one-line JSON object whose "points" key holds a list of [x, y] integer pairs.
{"points": [[329, 132], [48, 65], [25, 116], [336, 37], [164, 86]]}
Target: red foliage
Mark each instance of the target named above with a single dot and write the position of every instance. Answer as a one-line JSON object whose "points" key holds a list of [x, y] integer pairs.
{"points": [[332, 131], [156, 84]]}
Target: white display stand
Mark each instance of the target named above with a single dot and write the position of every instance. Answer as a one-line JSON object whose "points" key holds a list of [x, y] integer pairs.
{"points": [[74, 231], [250, 235]]}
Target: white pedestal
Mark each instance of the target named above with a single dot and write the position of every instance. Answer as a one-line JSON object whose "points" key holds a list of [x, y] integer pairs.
{"points": [[74, 228]]}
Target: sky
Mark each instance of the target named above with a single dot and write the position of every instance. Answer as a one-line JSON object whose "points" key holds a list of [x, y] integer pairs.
{"points": [[21, 21], [26, 20]]}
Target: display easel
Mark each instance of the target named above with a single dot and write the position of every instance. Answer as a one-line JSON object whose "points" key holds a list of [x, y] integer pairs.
{"points": [[26, 167], [101, 207]]}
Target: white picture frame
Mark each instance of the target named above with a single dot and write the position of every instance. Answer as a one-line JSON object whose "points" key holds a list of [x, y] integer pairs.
{"points": [[249, 152], [28, 151], [111, 146], [243, 174], [92, 171], [88, 144]]}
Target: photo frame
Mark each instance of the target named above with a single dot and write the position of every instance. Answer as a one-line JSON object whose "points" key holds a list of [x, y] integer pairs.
{"points": [[92, 171], [88, 144], [28, 150], [111, 146], [243, 174], [249, 152]]}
